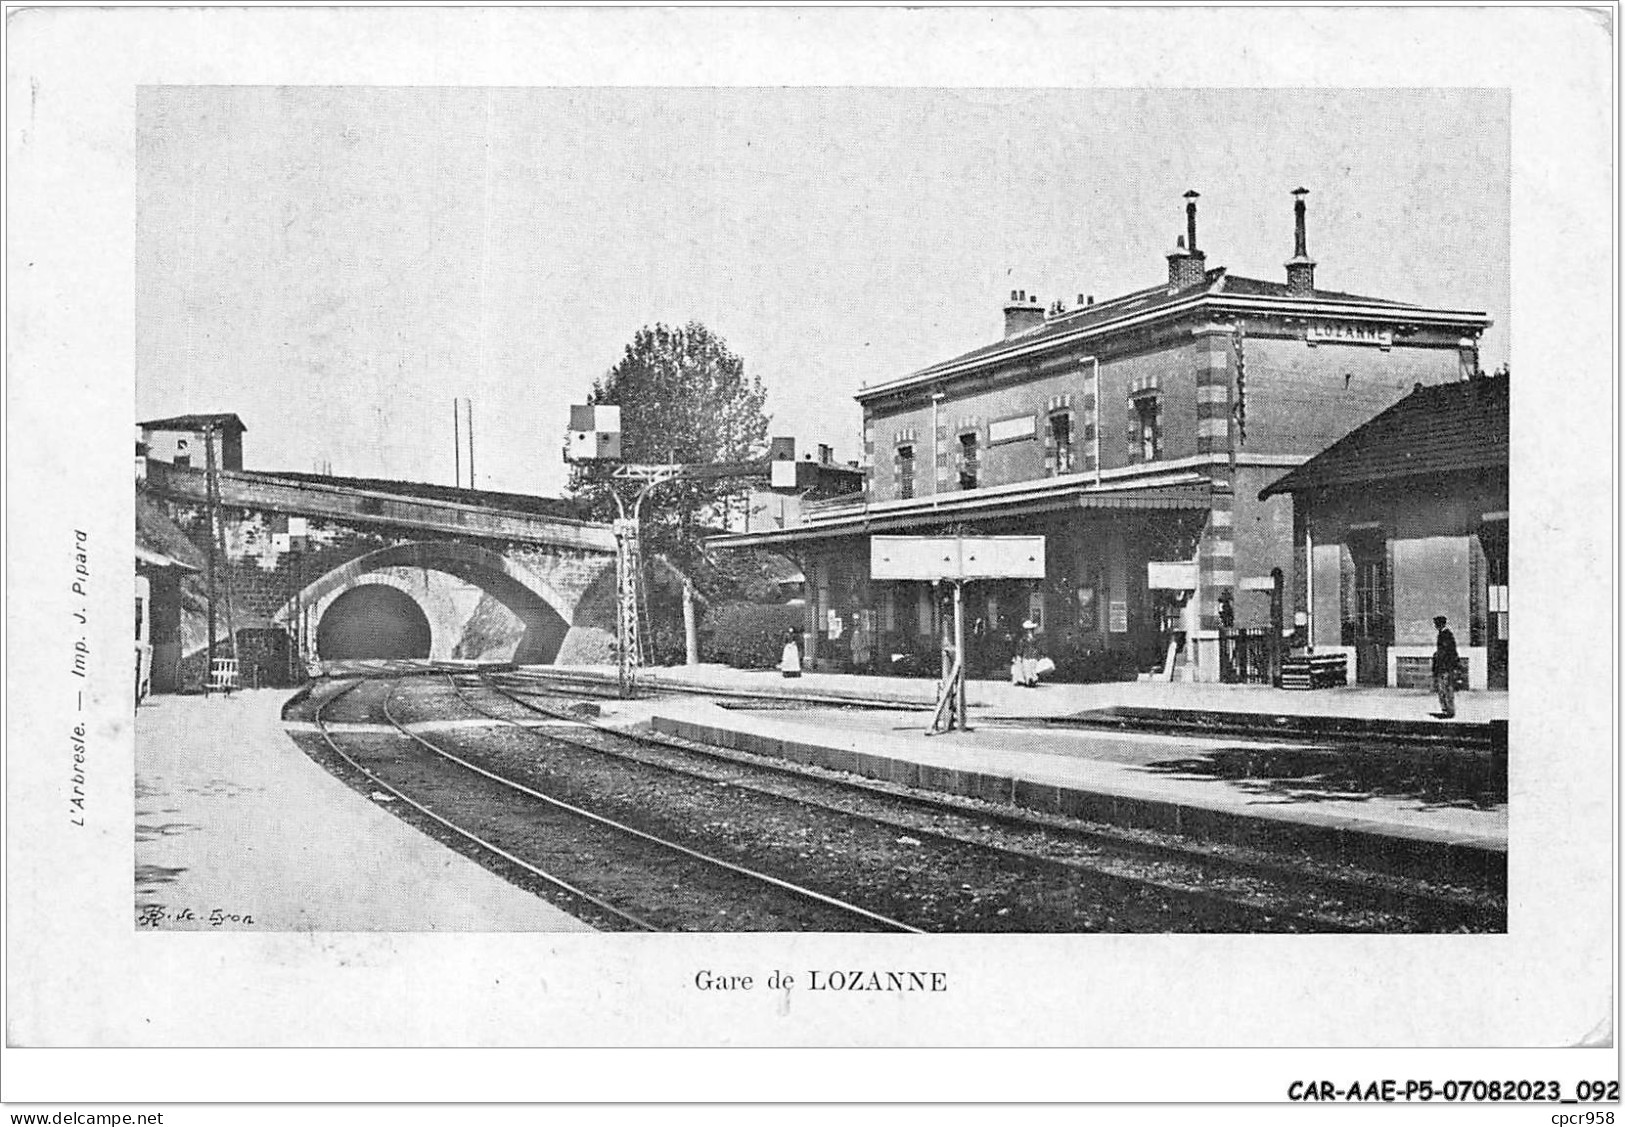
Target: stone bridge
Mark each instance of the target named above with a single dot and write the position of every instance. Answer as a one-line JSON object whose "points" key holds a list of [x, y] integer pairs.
{"points": [[333, 568]]}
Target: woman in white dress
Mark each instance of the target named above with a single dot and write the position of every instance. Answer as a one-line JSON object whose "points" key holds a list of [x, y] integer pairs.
{"points": [[790, 662], [1024, 666]]}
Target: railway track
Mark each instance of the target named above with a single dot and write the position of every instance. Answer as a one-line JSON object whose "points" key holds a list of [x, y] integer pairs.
{"points": [[610, 873], [1107, 884], [1340, 898]]}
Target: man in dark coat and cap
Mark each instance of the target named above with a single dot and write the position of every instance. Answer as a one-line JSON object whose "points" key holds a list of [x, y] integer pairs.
{"points": [[1446, 664]]}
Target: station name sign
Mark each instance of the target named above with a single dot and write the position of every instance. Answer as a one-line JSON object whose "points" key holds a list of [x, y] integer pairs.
{"points": [[956, 557], [1347, 332]]}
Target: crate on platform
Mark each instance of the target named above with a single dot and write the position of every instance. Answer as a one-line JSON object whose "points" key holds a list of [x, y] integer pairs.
{"points": [[1314, 671]]}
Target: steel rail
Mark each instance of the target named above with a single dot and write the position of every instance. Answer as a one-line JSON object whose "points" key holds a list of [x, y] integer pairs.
{"points": [[1373, 897], [556, 682], [603, 905], [1441, 902], [739, 870], [1080, 869]]}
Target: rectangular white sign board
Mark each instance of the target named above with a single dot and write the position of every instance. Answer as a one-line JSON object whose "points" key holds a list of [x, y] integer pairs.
{"points": [[962, 557], [1171, 575]]}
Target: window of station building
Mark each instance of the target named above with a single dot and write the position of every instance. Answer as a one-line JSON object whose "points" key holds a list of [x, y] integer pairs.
{"points": [[1146, 436], [970, 462], [1060, 433], [905, 471], [183, 454]]}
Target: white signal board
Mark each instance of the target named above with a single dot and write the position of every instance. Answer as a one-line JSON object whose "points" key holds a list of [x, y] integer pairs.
{"points": [[595, 433], [956, 557]]}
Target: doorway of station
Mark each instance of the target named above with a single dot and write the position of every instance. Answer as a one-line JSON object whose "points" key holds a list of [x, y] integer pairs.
{"points": [[1368, 617]]}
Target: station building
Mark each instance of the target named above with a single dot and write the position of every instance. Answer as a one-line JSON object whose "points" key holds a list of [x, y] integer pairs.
{"points": [[1406, 518], [1136, 434]]}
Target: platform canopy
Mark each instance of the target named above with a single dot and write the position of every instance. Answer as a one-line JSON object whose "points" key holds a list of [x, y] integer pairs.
{"points": [[1053, 495]]}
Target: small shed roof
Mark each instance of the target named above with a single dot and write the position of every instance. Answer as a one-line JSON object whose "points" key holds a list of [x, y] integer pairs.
{"points": [[226, 420], [1445, 428]]}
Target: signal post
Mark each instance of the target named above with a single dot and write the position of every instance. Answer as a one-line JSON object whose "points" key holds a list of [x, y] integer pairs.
{"points": [[595, 437]]}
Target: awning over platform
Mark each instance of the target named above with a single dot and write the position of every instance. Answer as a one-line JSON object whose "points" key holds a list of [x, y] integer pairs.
{"points": [[1055, 495], [146, 557]]}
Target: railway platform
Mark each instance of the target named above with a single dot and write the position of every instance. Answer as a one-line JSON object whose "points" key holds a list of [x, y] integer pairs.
{"points": [[1379, 707], [238, 829], [1126, 779], [1388, 804]]}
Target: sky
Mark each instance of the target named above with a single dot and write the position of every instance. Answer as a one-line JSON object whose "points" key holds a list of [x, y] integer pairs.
{"points": [[337, 264]]}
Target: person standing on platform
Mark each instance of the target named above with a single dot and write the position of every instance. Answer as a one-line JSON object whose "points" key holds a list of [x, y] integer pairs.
{"points": [[1024, 667], [1446, 666], [790, 661], [860, 641]]}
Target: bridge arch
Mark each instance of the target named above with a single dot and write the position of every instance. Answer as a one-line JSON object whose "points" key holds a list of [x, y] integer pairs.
{"points": [[546, 615]]}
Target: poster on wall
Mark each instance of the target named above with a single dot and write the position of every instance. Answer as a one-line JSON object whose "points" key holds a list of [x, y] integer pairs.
{"points": [[1117, 617], [1088, 609]]}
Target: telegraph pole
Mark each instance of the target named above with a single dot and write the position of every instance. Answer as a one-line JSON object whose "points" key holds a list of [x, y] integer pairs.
{"points": [[209, 504], [217, 543]]}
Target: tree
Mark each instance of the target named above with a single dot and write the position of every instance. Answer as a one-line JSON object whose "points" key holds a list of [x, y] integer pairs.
{"points": [[684, 397]]}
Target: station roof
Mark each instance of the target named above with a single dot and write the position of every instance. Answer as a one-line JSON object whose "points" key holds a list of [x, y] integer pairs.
{"points": [[194, 423], [1177, 491], [1445, 428], [1220, 292]]}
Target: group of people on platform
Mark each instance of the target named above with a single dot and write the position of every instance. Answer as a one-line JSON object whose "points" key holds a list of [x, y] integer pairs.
{"points": [[1028, 663]]}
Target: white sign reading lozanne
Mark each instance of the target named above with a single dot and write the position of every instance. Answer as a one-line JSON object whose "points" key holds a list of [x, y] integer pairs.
{"points": [[956, 557], [1343, 332]]}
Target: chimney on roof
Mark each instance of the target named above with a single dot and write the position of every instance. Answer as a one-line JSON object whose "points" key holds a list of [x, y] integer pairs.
{"points": [[1022, 313], [1187, 266], [1300, 268]]}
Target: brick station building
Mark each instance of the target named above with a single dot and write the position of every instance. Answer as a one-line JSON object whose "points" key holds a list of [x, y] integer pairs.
{"points": [[1135, 434]]}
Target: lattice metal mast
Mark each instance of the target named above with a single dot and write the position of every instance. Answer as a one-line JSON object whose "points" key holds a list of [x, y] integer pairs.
{"points": [[595, 436]]}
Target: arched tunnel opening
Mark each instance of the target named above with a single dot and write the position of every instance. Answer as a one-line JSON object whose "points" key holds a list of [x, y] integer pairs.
{"points": [[373, 621], [513, 615]]}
